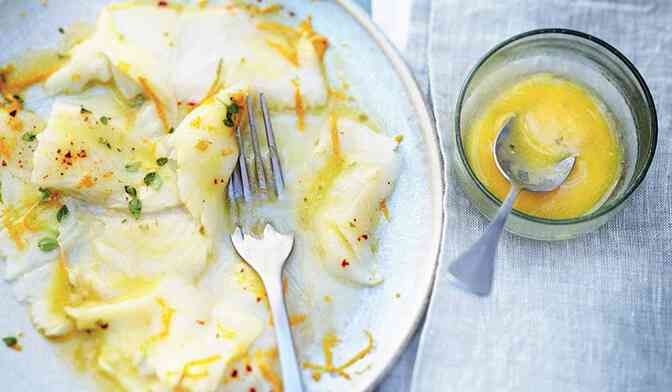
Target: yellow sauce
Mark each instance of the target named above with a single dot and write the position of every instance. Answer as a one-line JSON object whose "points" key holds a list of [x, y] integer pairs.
{"points": [[555, 118]]}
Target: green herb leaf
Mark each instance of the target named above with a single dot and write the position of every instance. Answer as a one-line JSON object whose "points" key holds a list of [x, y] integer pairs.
{"points": [[61, 30], [84, 110], [154, 180], [131, 191], [135, 207], [228, 122], [162, 161], [232, 108], [46, 193], [62, 213], [28, 137], [137, 101], [47, 244], [104, 142], [105, 120], [172, 129], [10, 341], [132, 167]]}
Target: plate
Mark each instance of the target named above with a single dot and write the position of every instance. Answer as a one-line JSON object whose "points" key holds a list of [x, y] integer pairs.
{"points": [[408, 254]]}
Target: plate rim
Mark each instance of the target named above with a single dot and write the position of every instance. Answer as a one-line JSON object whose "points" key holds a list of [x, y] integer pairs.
{"points": [[436, 164]]}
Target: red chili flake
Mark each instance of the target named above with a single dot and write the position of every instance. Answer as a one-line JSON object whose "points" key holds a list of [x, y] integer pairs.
{"points": [[363, 237], [4, 163], [163, 3], [258, 299], [13, 113], [253, 389], [200, 322], [234, 373], [344, 263], [68, 154], [81, 154], [248, 368], [191, 103]]}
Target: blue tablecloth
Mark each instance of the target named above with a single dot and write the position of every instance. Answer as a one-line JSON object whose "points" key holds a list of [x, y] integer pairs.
{"points": [[591, 314]]}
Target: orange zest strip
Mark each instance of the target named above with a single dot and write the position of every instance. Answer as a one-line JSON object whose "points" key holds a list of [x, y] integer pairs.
{"points": [[328, 344], [300, 109], [384, 209], [160, 108]]}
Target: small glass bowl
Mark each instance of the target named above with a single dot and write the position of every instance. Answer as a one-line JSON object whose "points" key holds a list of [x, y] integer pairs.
{"points": [[592, 63]]}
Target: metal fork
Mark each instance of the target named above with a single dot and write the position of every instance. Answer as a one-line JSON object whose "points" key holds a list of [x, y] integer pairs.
{"points": [[266, 254]]}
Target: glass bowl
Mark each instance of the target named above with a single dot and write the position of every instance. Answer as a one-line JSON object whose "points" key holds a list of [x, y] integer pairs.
{"points": [[592, 63]]}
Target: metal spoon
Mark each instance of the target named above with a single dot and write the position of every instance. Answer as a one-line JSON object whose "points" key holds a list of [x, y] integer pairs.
{"points": [[474, 268]]}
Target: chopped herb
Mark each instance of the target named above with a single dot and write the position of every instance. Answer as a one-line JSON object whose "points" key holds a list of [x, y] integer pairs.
{"points": [[154, 180], [232, 108], [132, 167], [84, 110], [18, 98], [137, 101], [47, 244], [62, 213], [135, 207], [46, 193], [162, 161], [61, 30], [28, 137], [10, 341], [131, 191], [171, 130], [104, 142], [104, 120], [124, 220]]}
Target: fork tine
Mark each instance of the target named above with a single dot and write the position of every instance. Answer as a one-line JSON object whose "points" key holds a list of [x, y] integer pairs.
{"points": [[276, 167], [258, 161], [242, 164], [236, 183]]}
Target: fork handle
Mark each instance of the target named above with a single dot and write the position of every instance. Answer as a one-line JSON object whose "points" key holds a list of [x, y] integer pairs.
{"points": [[291, 373]]}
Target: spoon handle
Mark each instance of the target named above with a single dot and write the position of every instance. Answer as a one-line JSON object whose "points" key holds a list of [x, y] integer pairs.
{"points": [[474, 268]]}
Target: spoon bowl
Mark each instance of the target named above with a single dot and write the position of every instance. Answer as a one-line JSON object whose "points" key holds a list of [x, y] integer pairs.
{"points": [[474, 269], [517, 172]]}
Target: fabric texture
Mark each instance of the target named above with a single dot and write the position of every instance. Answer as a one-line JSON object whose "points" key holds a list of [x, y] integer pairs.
{"points": [[590, 314]]}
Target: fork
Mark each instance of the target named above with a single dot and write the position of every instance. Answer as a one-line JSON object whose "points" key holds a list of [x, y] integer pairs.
{"points": [[265, 254]]}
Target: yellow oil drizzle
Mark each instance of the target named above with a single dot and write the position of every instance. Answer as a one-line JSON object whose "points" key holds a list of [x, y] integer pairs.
{"points": [[59, 290], [216, 84], [167, 313], [317, 191], [188, 370], [329, 342], [32, 68], [18, 223]]}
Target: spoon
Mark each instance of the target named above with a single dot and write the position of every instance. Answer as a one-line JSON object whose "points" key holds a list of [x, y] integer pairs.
{"points": [[474, 269]]}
